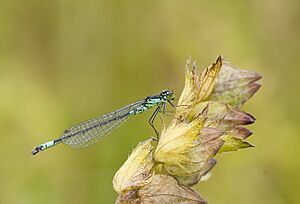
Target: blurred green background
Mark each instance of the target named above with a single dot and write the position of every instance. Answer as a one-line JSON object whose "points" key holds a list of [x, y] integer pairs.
{"points": [[62, 62]]}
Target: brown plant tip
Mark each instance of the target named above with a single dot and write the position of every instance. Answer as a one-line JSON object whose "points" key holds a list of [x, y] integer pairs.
{"points": [[239, 117], [216, 146], [235, 86], [253, 88], [207, 134], [166, 189], [240, 132], [209, 166], [193, 179]]}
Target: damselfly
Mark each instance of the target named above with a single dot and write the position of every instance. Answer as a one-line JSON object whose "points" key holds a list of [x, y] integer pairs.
{"points": [[91, 131]]}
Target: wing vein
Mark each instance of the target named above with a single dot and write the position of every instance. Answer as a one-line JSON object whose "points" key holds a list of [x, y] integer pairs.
{"points": [[91, 131]]}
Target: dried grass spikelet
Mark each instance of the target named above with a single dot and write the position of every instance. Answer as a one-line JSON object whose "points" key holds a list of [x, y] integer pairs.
{"points": [[136, 182], [208, 120], [197, 88], [235, 86], [187, 145], [162, 189], [166, 189], [136, 171]]}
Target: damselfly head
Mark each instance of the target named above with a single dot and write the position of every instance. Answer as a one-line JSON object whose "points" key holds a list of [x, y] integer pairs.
{"points": [[167, 94]]}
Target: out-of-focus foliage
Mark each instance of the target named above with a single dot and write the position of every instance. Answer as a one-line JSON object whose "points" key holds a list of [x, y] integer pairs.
{"points": [[63, 62]]}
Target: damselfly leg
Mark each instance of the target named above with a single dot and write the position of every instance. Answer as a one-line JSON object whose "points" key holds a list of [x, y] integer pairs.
{"points": [[160, 109], [151, 121], [175, 106]]}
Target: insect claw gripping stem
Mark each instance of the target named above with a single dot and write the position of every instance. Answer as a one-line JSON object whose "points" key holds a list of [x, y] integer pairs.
{"points": [[155, 139]]}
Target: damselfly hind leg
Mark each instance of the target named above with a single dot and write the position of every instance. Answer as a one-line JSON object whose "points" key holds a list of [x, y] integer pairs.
{"points": [[151, 121]]}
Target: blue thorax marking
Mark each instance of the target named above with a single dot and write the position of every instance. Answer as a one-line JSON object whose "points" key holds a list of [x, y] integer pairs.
{"points": [[150, 102]]}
